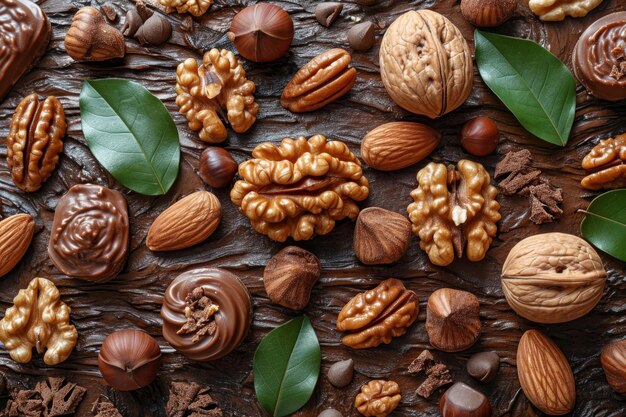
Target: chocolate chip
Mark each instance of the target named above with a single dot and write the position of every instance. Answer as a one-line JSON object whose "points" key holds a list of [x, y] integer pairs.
{"points": [[331, 412], [362, 36], [132, 23], [340, 373], [484, 366], [155, 31], [326, 13]]}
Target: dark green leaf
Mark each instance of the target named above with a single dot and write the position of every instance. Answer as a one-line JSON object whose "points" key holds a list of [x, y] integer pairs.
{"points": [[534, 84], [605, 223], [286, 367], [131, 133]]}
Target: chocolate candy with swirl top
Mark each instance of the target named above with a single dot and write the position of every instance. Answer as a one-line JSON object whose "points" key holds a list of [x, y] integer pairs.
{"points": [[206, 313], [89, 237], [599, 57]]}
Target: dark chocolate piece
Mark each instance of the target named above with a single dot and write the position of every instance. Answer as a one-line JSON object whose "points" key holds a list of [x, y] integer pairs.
{"points": [[190, 399], [517, 183], [89, 235], [420, 364], [438, 376], [23, 39], [513, 162], [483, 366]]}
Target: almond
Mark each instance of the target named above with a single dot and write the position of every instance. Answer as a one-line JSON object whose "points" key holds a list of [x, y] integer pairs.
{"points": [[545, 374], [16, 233], [397, 145], [185, 223]]}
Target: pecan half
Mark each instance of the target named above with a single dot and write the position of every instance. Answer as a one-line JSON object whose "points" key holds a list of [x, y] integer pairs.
{"points": [[300, 188], [216, 88], [378, 315], [35, 140], [321, 81], [378, 398], [454, 209], [607, 160]]}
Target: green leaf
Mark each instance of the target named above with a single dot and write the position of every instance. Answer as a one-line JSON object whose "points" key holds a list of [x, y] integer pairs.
{"points": [[605, 223], [131, 133], [286, 367], [534, 84]]}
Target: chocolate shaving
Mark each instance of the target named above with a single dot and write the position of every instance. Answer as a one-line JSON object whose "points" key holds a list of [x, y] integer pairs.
{"points": [[437, 374], [420, 364], [102, 407], [618, 72], [50, 398], [190, 400], [199, 312], [513, 162]]}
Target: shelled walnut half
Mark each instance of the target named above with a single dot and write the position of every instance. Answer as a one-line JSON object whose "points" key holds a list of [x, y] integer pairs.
{"points": [[216, 88], [378, 398], [38, 319], [300, 188], [555, 10], [35, 140], [195, 7], [607, 161], [454, 209]]}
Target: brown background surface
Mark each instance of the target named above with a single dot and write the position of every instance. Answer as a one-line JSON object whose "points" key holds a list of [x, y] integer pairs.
{"points": [[133, 299]]}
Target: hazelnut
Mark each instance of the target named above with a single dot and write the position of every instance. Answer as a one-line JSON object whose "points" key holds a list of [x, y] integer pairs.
{"points": [[381, 236], [461, 400], [156, 30], [90, 38], [452, 320], [330, 412], [129, 359], [362, 36], [479, 136], [340, 373], [217, 167], [613, 360], [483, 366], [488, 13], [262, 32], [289, 277]]}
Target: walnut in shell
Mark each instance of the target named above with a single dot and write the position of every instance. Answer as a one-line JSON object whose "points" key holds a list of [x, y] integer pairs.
{"points": [[555, 10], [553, 278], [454, 210], [216, 88], [607, 161], [300, 188], [38, 319], [426, 63]]}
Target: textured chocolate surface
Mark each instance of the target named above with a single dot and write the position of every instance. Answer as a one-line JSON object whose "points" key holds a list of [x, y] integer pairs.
{"points": [[133, 299]]}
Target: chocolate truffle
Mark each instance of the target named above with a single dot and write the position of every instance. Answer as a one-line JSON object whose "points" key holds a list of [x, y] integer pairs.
{"points": [[89, 235], [206, 313], [24, 38], [599, 58]]}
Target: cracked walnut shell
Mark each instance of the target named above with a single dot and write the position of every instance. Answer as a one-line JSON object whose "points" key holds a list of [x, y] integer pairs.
{"points": [[35, 140], [607, 160], [454, 209], [426, 63], [553, 278], [555, 10], [300, 188], [195, 7], [216, 88], [378, 315], [378, 398], [38, 319]]}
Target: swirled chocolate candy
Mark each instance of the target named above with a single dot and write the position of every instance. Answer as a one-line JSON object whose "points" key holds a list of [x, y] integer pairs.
{"points": [[24, 36], [600, 57], [206, 313], [89, 236]]}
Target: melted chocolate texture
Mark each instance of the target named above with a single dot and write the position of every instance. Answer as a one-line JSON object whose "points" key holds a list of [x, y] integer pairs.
{"points": [[134, 298]]}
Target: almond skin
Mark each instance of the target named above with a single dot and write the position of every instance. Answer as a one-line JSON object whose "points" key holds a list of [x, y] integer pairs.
{"points": [[545, 374], [185, 223], [16, 233], [397, 145]]}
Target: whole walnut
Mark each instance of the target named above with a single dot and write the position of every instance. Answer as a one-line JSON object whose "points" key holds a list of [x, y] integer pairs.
{"points": [[426, 63]]}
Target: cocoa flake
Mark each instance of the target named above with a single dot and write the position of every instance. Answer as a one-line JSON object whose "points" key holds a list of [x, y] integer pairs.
{"points": [[437, 374], [199, 311], [191, 400]]}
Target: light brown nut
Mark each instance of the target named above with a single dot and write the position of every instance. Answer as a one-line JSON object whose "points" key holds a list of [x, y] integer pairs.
{"points": [[454, 210], [38, 319], [16, 233], [321, 81], [607, 161], [453, 320], [378, 398], [381, 236], [35, 140], [426, 63], [553, 278], [397, 145], [613, 360], [91, 38], [544, 374], [300, 188], [216, 88], [194, 7], [555, 10], [378, 315], [185, 223]]}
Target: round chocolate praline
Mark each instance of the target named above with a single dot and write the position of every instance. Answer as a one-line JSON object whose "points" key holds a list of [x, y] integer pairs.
{"points": [[231, 318], [599, 58]]}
